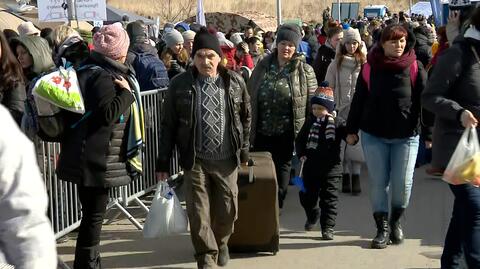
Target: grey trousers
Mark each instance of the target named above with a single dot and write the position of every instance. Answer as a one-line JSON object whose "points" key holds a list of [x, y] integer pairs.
{"points": [[211, 194]]}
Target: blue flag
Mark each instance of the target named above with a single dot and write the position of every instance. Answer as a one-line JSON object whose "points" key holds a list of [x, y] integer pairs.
{"points": [[440, 12]]}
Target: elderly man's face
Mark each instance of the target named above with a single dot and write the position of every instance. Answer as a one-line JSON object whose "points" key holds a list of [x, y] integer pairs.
{"points": [[206, 61]]}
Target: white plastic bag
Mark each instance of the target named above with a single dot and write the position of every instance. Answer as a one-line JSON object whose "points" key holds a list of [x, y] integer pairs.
{"points": [[464, 165], [166, 216], [61, 88], [354, 153]]}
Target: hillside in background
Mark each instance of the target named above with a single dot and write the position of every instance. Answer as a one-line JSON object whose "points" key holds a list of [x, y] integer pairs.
{"points": [[176, 10]]}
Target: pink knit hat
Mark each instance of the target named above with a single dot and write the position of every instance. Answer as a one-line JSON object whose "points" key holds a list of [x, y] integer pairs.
{"points": [[112, 41]]}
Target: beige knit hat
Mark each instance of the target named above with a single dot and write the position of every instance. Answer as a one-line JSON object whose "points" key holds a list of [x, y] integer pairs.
{"points": [[350, 35], [188, 35], [27, 28]]}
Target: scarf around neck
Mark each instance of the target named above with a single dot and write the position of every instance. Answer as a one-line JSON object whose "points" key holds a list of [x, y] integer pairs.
{"points": [[378, 60], [314, 134]]}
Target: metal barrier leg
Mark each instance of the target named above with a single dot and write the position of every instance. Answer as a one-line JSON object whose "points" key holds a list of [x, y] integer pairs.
{"points": [[126, 213], [113, 217], [141, 204], [61, 264]]}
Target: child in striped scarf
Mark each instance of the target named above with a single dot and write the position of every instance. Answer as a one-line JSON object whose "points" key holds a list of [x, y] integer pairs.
{"points": [[318, 146]]}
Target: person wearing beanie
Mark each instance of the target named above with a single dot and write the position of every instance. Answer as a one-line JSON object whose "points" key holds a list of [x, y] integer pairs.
{"points": [[27, 28], [91, 156], [188, 37], [220, 102], [174, 56], [150, 71], [458, 18], [236, 38], [173, 39], [281, 85], [318, 148], [389, 127], [112, 41], [342, 74], [290, 33]]}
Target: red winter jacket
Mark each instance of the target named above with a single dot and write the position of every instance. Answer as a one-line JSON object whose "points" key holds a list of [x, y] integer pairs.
{"points": [[247, 61]]}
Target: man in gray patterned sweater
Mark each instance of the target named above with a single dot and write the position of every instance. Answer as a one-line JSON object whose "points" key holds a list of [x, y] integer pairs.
{"points": [[207, 116]]}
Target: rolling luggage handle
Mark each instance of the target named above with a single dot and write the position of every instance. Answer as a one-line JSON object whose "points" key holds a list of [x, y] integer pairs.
{"points": [[250, 164]]}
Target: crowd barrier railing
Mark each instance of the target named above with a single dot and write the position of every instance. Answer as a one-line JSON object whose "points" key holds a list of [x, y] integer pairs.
{"points": [[64, 205]]}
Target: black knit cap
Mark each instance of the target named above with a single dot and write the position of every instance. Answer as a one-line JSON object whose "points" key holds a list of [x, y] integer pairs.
{"points": [[289, 32], [204, 40]]}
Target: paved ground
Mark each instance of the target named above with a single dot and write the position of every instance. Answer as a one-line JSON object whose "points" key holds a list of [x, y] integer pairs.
{"points": [[426, 222]]}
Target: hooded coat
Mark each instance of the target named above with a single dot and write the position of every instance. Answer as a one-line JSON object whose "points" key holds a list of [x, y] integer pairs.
{"points": [[41, 55]]}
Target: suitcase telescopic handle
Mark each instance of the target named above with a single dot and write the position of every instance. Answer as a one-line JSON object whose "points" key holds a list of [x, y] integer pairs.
{"points": [[250, 164]]}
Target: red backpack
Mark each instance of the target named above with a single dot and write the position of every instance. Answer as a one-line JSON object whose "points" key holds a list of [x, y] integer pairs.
{"points": [[367, 69]]}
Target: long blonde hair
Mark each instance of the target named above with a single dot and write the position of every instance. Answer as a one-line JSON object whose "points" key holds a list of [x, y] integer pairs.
{"points": [[62, 32], [168, 55]]}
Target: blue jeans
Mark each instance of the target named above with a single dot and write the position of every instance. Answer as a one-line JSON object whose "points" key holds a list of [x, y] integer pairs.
{"points": [[463, 235], [390, 162]]}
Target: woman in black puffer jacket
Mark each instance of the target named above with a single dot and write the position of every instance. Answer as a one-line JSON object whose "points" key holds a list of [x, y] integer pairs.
{"points": [[94, 146]]}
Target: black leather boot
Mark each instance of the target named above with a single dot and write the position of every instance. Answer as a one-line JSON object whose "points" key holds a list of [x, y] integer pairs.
{"points": [[383, 237], [346, 187], [87, 258], [356, 189], [396, 233]]}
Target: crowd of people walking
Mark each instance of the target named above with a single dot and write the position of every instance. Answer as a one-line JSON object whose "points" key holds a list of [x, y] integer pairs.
{"points": [[332, 97]]}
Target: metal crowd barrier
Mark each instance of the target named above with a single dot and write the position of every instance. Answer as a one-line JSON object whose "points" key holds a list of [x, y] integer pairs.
{"points": [[64, 205]]}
